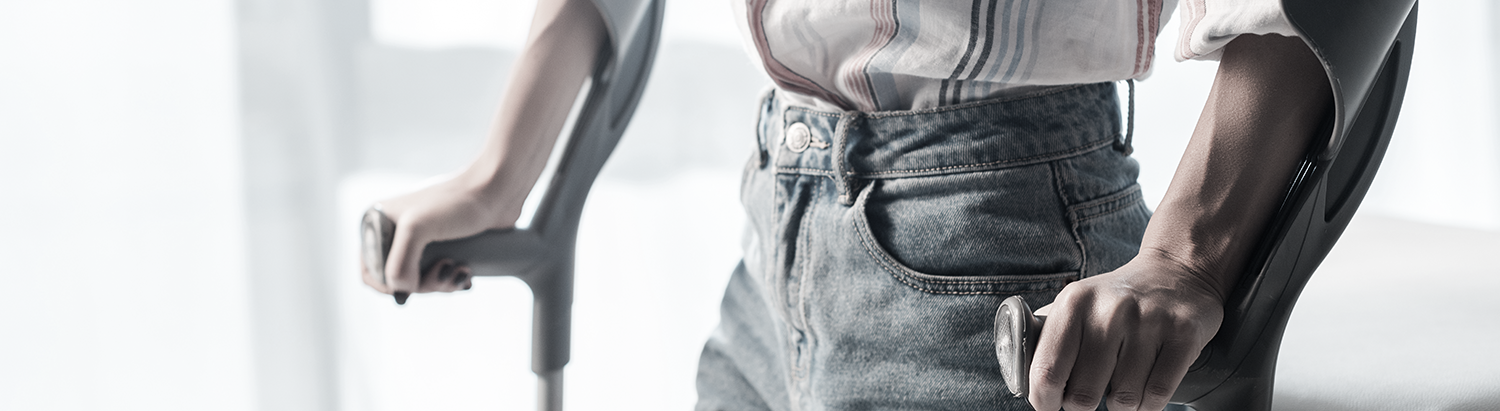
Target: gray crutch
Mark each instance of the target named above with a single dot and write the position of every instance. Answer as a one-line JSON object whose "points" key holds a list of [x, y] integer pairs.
{"points": [[541, 255]]}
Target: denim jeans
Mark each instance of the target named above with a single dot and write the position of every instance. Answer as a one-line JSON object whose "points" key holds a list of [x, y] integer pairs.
{"points": [[880, 245]]}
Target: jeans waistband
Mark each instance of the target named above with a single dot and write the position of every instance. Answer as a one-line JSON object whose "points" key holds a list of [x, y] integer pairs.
{"points": [[1015, 131]]}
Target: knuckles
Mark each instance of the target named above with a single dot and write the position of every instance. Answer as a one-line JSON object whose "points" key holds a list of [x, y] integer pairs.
{"points": [[1158, 390], [1124, 401], [1116, 306], [1046, 376], [1081, 401]]}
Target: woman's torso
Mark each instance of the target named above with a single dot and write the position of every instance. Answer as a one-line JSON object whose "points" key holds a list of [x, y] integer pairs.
{"points": [[912, 54]]}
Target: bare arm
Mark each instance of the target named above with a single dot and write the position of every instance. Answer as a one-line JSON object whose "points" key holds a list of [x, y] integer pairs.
{"points": [[565, 39], [560, 52], [1267, 101], [1137, 329]]}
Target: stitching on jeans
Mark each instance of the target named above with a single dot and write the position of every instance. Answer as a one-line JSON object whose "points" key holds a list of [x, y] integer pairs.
{"points": [[1116, 196], [1018, 161], [1058, 180], [899, 273], [1024, 161], [944, 109], [1101, 214], [811, 112], [795, 170], [1108, 205], [778, 207], [804, 240], [865, 228], [1018, 97]]}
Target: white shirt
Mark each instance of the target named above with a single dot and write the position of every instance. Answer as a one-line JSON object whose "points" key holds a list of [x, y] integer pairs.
{"points": [[876, 55]]}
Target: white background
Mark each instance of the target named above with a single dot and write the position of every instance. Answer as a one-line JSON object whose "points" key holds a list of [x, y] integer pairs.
{"points": [[122, 236]]}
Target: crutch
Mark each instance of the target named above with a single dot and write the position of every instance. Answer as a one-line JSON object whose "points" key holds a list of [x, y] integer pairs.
{"points": [[541, 254], [1365, 47]]}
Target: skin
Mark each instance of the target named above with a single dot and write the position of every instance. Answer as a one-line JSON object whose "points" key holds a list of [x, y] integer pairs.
{"points": [[1138, 328], [1135, 330], [560, 51]]}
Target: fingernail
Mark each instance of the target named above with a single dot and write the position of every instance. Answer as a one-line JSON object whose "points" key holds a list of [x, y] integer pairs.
{"points": [[401, 297]]}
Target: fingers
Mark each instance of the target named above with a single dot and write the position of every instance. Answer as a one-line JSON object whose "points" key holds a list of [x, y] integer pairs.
{"points": [[1095, 348], [1126, 338], [445, 276], [401, 267], [403, 273], [369, 278], [1128, 384], [1044, 311], [1170, 367], [1056, 353], [1103, 335]]}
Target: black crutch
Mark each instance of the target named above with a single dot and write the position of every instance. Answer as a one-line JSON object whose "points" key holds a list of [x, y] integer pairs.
{"points": [[542, 254], [1365, 47]]}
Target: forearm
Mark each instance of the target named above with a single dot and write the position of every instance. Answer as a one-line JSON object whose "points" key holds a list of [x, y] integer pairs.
{"points": [[1266, 104], [1136, 330], [565, 39]]}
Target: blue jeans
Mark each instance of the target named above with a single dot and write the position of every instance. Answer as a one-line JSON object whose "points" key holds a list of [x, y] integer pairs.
{"points": [[880, 245]]}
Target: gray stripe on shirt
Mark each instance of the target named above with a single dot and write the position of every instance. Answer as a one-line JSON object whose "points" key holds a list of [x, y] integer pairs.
{"points": [[908, 25]]}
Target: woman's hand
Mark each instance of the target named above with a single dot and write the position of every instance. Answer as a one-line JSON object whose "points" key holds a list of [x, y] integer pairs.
{"points": [[566, 38], [1137, 329], [444, 211], [1128, 335]]}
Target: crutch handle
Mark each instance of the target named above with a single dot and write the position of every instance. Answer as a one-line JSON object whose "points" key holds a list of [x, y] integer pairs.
{"points": [[1016, 332], [498, 253]]}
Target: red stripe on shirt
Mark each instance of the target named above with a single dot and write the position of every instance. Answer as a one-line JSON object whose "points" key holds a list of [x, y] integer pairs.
{"points": [[1152, 32], [1140, 35], [783, 76], [855, 76]]}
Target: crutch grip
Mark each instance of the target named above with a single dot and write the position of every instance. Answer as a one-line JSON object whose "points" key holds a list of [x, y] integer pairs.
{"points": [[494, 253], [1017, 329]]}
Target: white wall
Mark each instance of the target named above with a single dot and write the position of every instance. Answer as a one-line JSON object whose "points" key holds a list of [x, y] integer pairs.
{"points": [[1443, 165], [122, 241], [120, 230]]}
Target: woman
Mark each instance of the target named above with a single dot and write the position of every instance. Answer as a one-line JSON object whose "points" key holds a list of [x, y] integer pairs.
{"points": [[920, 161]]}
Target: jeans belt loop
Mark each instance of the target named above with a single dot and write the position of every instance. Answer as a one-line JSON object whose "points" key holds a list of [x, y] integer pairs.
{"points": [[844, 178], [1125, 146]]}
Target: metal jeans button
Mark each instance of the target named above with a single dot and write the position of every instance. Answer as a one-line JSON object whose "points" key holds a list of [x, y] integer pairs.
{"points": [[798, 137]]}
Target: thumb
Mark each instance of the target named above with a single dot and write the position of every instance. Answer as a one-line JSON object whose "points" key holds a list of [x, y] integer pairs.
{"points": [[1042, 312], [401, 268]]}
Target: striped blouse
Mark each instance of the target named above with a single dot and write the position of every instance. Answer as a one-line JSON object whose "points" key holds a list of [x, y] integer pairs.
{"points": [[875, 55]]}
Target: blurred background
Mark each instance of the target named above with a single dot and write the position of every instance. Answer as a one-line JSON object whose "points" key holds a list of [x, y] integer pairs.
{"points": [[181, 180]]}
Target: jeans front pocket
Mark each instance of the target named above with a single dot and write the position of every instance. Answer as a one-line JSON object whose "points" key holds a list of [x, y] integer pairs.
{"points": [[989, 232]]}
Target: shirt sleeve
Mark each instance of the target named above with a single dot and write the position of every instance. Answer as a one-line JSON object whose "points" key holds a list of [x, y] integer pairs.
{"points": [[1208, 25]]}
